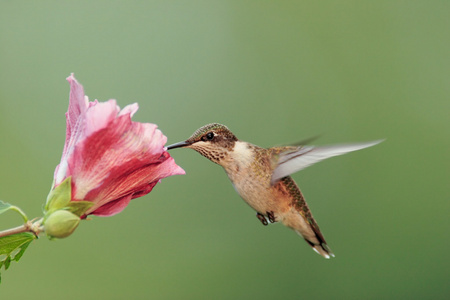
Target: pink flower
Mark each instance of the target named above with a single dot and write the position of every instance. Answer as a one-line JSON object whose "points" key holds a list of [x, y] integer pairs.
{"points": [[110, 158]]}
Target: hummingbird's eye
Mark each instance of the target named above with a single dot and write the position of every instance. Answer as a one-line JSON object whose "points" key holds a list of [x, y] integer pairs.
{"points": [[209, 136]]}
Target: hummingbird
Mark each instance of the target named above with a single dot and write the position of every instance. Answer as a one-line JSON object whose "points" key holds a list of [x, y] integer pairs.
{"points": [[261, 176]]}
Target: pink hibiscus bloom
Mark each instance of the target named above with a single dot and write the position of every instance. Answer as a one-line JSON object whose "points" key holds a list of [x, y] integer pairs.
{"points": [[110, 158]]}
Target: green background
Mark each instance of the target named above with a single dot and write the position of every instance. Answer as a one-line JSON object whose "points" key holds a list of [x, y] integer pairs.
{"points": [[275, 72]]}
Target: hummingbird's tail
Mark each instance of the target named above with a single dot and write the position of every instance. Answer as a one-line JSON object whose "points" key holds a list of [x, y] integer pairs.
{"points": [[321, 249], [307, 228]]}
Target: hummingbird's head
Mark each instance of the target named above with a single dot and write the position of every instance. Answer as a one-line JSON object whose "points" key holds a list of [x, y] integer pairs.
{"points": [[213, 141]]}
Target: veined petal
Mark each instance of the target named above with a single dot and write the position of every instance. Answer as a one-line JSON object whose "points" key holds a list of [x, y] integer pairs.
{"points": [[134, 179], [78, 104], [99, 116], [130, 109], [112, 208]]}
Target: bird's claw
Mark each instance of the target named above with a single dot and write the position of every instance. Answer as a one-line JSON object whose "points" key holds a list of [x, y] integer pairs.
{"points": [[271, 216], [262, 219], [265, 220]]}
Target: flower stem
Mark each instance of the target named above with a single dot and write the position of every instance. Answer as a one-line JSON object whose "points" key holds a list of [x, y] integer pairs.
{"points": [[29, 226]]}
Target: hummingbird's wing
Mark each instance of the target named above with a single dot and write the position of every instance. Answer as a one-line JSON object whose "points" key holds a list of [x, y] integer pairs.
{"points": [[305, 141], [294, 159]]}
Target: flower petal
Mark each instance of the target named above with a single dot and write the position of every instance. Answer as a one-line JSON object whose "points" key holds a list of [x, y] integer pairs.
{"points": [[78, 104], [129, 109], [99, 116], [112, 208]]}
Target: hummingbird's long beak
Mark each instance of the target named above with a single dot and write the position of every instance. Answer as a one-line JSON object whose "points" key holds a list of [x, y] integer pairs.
{"points": [[178, 145]]}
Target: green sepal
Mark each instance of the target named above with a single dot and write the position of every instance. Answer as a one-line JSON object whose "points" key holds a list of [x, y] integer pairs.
{"points": [[79, 207], [60, 196], [12, 247], [6, 206]]}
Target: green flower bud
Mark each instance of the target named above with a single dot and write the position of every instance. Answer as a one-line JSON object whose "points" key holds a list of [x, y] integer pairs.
{"points": [[61, 224]]}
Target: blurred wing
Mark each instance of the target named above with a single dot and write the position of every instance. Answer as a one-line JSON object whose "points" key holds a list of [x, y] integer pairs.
{"points": [[305, 141], [292, 161]]}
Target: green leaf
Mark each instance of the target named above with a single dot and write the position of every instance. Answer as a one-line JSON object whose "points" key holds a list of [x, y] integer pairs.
{"points": [[7, 262], [13, 246], [6, 206], [19, 254], [79, 207], [60, 196]]}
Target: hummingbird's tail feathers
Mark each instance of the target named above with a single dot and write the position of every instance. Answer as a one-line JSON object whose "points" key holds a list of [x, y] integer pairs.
{"points": [[300, 219], [322, 248], [294, 160]]}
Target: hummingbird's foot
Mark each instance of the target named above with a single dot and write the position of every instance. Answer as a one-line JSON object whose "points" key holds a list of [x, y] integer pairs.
{"points": [[271, 216], [262, 219]]}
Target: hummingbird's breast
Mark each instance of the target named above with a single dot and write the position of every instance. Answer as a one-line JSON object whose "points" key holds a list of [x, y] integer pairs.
{"points": [[249, 168]]}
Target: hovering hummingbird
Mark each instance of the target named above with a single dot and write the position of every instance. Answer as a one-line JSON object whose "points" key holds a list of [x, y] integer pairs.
{"points": [[261, 176]]}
